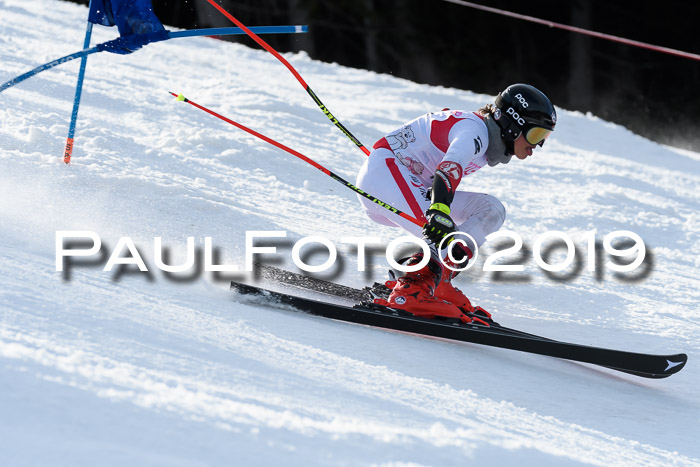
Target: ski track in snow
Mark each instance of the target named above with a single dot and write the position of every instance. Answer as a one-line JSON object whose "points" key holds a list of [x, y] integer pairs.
{"points": [[138, 368]]}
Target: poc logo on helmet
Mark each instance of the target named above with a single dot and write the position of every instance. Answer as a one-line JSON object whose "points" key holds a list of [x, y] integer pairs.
{"points": [[516, 116], [522, 100]]}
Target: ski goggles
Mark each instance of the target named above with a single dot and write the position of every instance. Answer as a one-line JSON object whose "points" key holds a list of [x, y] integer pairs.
{"points": [[536, 135]]}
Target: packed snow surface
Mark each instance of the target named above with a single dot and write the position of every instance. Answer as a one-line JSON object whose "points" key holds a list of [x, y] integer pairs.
{"points": [[132, 368]]}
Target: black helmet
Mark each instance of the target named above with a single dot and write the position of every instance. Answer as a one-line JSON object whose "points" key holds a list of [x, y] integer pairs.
{"points": [[524, 109]]}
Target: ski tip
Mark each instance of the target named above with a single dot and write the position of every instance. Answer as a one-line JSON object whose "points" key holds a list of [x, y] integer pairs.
{"points": [[672, 364], [675, 363]]}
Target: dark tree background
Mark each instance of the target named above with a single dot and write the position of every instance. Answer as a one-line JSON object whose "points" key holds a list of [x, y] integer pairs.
{"points": [[437, 42]]}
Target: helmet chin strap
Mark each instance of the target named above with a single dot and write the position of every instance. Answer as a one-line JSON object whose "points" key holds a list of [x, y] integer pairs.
{"points": [[498, 151], [509, 141], [510, 148]]}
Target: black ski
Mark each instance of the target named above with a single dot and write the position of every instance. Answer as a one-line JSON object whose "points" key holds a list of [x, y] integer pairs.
{"points": [[276, 274], [639, 364]]}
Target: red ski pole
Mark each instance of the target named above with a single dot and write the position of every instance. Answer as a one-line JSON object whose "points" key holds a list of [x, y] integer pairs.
{"points": [[306, 87], [291, 151]]}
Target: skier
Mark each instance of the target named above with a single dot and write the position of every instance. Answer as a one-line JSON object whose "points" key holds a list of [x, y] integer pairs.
{"points": [[417, 169]]}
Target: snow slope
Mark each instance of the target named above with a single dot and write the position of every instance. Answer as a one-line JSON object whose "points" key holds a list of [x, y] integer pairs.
{"points": [[98, 368]]}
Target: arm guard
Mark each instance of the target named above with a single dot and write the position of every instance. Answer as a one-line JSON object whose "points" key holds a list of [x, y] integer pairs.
{"points": [[447, 178]]}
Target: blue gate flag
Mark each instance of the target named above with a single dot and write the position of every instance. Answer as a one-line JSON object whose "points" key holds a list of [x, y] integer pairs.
{"points": [[137, 23], [130, 16], [98, 14]]}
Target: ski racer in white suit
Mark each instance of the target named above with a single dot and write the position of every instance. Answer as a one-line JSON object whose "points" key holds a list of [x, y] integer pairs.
{"points": [[417, 169]]}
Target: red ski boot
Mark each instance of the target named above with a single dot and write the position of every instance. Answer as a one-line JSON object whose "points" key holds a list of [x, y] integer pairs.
{"points": [[413, 292], [449, 293]]}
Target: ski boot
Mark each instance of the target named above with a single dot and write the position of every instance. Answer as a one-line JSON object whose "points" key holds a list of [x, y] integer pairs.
{"points": [[449, 293], [414, 293]]}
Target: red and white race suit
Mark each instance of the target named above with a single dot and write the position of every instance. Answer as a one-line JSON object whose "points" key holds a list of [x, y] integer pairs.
{"points": [[400, 170]]}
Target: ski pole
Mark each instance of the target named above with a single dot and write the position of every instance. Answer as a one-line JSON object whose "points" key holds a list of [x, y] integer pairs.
{"points": [[294, 72], [291, 151]]}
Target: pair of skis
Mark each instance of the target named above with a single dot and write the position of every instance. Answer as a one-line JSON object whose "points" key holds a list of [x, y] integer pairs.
{"points": [[368, 313]]}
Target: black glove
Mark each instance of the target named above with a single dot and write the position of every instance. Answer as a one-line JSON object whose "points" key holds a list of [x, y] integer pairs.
{"points": [[439, 224]]}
